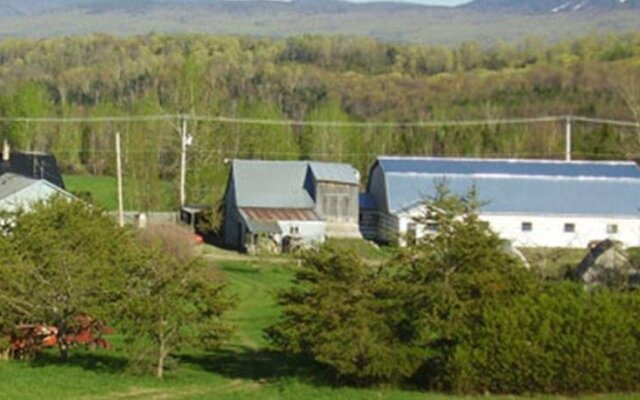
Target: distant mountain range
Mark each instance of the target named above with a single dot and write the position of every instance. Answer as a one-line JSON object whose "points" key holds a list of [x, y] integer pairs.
{"points": [[482, 20], [551, 6]]}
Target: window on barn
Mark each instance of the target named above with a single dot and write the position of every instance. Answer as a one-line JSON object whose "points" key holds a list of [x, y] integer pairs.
{"points": [[412, 233], [569, 228], [344, 213], [333, 206], [432, 227], [527, 227], [612, 229], [336, 206]]}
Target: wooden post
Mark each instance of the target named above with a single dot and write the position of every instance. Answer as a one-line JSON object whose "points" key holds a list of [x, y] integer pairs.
{"points": [[183, 162], [119, 172], [568, 138]]}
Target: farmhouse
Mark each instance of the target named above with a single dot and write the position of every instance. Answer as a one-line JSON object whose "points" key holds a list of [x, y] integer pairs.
{"points": [[19, 192], [34, 165], [273, 205], [533, 203], [26, 178]]}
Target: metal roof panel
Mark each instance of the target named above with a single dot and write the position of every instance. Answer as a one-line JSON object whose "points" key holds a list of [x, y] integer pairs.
{"points": [[517, 167], [271, 184], [279, 214], [523, 194], [280, 184], [335, 172]]}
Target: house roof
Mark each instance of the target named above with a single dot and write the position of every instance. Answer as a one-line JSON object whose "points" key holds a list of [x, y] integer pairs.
{"points": [[11, 184], [281, 184], [518, 186], [33, 165], [19, 191]]}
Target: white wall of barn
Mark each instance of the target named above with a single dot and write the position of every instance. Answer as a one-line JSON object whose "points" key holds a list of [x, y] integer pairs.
{"points": [[547, 230], [310, 231]]}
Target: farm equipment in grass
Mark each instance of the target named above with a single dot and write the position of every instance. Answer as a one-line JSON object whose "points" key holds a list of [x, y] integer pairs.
{"points": [[28, 340]]}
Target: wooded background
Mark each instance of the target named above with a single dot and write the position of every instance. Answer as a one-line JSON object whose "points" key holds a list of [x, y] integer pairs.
{"points": [[307, 78]]}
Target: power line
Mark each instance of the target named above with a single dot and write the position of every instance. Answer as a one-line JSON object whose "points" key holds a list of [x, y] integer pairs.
{"points": [[603, 121], [345, 155], [321, 124], [326, 123], [75, 120], [394, 124]]}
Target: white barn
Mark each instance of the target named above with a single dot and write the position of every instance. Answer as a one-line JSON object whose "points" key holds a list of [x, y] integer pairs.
{"points": [[533, 203]]}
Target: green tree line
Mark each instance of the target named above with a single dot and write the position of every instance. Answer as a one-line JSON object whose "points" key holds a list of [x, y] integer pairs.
{"points": [[306, 78]]}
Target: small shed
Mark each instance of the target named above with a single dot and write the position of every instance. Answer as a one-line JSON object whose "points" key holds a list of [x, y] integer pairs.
{"points": [[607, 263]]}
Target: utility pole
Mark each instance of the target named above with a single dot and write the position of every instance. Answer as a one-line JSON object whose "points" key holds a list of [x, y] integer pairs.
{"points": [[183, 160], [119, 172], [568, 138]]}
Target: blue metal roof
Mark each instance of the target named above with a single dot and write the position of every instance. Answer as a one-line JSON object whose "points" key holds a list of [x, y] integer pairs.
{"points": [[519, 187], [615, 169]]}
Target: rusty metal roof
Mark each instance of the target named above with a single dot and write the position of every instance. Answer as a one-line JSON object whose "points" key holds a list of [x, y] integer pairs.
{"points": [[279, 214]]}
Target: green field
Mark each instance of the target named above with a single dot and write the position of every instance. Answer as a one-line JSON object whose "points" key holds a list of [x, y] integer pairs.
{"points": [[243, 369], [103, 191]]}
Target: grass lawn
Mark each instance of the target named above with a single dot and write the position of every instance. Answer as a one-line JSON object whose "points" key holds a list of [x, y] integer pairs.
{"points": [[554, 263], [102, 188], [365, 249], [103, 192], [243, 369]]}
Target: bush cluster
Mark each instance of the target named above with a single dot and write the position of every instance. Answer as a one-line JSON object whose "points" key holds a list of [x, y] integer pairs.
{"points": [[457, 312], [562, 339], [63, 259]]}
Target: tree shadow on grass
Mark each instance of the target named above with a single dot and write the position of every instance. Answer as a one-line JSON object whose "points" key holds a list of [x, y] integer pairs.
{"points": [[257, 364], [95, 362]]}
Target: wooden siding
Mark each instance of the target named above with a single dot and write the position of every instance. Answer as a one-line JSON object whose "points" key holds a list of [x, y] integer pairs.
{"points": [[337, 202]]}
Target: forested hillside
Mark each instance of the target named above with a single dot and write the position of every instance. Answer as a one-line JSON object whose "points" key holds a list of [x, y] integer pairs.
{"points": [[307, 79]]}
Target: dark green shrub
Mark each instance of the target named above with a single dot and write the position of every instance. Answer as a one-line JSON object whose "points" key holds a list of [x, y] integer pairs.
{"points": [[347, 316], [449, 279], [563, 339], [457, 312]]}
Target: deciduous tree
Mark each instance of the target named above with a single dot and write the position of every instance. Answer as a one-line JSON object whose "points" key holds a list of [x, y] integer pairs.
{"points": [[173, 299]]}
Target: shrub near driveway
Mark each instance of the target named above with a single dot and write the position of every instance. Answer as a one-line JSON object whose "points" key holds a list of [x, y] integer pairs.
{"points": [[560, 340], [347, 316]]}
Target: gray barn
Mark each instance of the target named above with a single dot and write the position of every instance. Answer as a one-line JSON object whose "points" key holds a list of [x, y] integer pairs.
{"points": [[270, 204]]}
